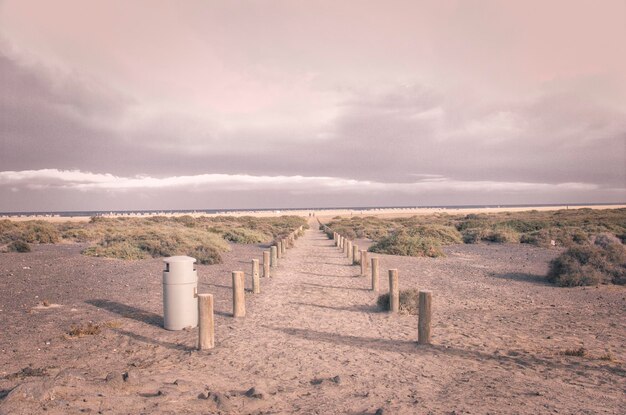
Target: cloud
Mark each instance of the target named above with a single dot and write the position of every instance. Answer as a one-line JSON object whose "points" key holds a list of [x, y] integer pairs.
{"points": [[86, 181]]}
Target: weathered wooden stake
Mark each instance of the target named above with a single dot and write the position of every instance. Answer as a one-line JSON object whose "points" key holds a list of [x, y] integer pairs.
{"points": [[394, 291], [266, 264], [342, 241], [355, 254], [283, 246], [375, 275], [425, 314], [256, 282], [274, 258], [279, 249], [239, 295], [347, 249], [206, 323], [364, 263]]}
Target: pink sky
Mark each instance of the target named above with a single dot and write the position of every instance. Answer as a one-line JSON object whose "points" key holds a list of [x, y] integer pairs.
{"points": [[530, 92]]}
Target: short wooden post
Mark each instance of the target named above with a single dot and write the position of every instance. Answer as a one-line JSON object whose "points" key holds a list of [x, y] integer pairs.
{"points": [[256, 282], [347, 249], [341, 242], [394, 291], [425, 314], [283, 245], [279, 249], [239, 296], [375, 275], [206, 323], [355, 254], [364, 263], [266, 264], [274, 258]]}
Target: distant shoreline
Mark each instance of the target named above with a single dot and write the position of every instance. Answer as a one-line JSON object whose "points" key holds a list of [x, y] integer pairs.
{"points": [[324, 213]]}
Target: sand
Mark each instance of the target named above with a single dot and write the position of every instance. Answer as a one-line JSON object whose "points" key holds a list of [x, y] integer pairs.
{"points": [[326, 214], [313, 341]]}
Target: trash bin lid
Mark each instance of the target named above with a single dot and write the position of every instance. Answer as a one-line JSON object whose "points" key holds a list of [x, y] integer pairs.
{"points": [[178, 258]]}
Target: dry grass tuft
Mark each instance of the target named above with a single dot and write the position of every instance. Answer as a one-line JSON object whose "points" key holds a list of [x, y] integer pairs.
{"points": [[580, 352], [89, 329]]}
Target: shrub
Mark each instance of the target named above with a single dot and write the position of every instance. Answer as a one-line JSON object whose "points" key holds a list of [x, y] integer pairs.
{"points": [[36, 231], [245, 236], [401, 243], [119, 250], [19, 246], [601, 263], [409, 301], [206, 255], [501, 234]]}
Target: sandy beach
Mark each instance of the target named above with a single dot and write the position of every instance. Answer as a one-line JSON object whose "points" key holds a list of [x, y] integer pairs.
{"points": [[313, 341], [324, 214]]}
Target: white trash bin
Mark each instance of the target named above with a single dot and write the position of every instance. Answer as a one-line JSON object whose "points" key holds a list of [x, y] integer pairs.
{"points": [[180, 288]]}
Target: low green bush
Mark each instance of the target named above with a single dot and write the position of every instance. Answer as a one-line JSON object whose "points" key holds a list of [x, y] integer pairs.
{"points": [[600, 263], [245, 236], [409, 301], [18, 246], [401, 243]]}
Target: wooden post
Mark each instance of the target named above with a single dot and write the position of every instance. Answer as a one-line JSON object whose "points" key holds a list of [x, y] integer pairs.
{"points": [[425, 314], [256, 283], [347, 249], [341, 242], [266, 264], [274, 258], [364, 263], [355, 254], [206, 323], [239, 296], [375, 275], [394, 291], [279, 249], [283, 245]]}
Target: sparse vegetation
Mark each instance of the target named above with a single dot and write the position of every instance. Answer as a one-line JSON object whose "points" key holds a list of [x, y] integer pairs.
{"points": [[203, 238], [35, 231], [425, 235], [409, 301]]}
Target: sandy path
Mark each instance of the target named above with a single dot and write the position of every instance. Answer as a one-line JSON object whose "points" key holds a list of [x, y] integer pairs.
{"points": [[314, 342]]}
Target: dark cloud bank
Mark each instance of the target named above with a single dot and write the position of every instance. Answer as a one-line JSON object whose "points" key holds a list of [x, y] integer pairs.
{"points": [[400, 135]]}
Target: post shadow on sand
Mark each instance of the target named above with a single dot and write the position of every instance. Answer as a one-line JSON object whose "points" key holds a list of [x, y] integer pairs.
{"points": [[335, 287], [522, 276], [144, 339], [128, 311], [329, 275], [411, 347], [359, 308]]}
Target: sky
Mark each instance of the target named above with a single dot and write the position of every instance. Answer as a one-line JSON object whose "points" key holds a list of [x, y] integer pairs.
{"points": [[150, 104]]}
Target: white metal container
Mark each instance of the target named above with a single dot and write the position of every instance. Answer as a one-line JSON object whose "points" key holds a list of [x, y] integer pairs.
{"points": [[180, 288]]}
